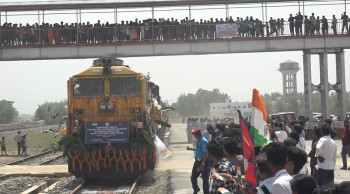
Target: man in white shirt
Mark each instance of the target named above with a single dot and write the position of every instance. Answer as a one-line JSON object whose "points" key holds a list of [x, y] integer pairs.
{"points": [[276, 133], [276, 159], [326, 151], [299, 129], [265, 174], [282, 135], [301, 144]]}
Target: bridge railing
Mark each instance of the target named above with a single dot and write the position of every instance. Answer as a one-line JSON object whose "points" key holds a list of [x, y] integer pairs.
{"points": [[22, 36]]}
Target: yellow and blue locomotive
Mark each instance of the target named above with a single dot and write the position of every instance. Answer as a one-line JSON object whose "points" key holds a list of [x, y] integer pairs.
{"points": [[109, 121]]}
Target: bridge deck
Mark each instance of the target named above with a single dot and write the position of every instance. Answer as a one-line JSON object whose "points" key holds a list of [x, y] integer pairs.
{"points": [[176, 47]]}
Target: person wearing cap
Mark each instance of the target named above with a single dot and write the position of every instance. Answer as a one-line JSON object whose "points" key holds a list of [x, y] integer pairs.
{"points": [[200, 165]]}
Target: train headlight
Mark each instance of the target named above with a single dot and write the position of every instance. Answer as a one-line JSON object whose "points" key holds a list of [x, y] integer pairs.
{"points": [[102, 106], [110, 105]]}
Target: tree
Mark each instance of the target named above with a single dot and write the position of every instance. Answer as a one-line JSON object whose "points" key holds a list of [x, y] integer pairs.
{"points": [[47, 110], [7, 112], [275, 100], [198, 104]]}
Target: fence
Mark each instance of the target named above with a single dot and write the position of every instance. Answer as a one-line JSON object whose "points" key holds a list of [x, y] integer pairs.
{"points": [[11, 127]]}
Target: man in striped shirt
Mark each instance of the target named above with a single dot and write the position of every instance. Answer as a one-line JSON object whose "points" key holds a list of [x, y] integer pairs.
{"points": [[221, 166]]}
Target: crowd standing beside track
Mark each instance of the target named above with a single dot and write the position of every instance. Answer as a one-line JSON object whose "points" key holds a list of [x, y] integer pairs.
{"points": [[166, 29], [281, 164], [21, 143]]}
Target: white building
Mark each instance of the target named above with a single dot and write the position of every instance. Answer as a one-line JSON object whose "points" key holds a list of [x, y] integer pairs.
{"points": [[229, 108]]}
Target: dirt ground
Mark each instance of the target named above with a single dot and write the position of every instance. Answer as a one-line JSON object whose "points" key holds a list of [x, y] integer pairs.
{"points": [[11, 157], [37, 142]]}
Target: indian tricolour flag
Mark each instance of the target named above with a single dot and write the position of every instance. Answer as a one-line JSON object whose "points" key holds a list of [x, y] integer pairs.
{"points": [[258, 127], [224, 190], [217, 176]]}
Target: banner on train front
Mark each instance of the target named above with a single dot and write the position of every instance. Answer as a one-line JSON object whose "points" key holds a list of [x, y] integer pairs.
{"points": [[102, 132], [226, 30]]}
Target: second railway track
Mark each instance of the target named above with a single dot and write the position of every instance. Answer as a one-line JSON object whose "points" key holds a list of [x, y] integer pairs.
{"points": [[39, 159]]}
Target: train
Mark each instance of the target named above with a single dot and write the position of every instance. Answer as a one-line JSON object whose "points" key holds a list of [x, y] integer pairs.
{"points": [[110, 116]]}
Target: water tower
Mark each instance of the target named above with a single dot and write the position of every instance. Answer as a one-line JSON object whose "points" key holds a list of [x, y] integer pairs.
{"points": [[289, 71]]}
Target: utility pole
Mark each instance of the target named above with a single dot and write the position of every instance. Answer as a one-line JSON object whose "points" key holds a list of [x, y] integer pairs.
{"points": [[48, 110]]}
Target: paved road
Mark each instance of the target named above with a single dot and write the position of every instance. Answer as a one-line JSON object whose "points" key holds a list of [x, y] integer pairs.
{"points": [[181, 161]]}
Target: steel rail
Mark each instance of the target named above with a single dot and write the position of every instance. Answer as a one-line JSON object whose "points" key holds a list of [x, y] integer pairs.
{"points": [[30, 157], [132, 190], [134, 186], [78, 188], [51, 160]]}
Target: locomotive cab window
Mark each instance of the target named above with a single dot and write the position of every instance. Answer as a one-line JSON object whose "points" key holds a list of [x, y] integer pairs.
{"points": [[125, 86], [89, 87]]}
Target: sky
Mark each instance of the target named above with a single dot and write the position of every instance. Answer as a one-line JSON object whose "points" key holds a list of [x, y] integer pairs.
{"points": [[31, 83]]}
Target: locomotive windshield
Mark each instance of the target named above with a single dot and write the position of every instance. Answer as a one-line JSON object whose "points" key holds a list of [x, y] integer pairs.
{"points": [[89, 87], [125, 86]]}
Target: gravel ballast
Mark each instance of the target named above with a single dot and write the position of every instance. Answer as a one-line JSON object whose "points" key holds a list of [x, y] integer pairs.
{"points": [[15, 185], [154, 182], [66, 185]]}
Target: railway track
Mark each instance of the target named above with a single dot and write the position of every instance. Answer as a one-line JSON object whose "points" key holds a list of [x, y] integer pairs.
{"points": [[88, 187], [51, 160], [39, 159], [29, 183]]}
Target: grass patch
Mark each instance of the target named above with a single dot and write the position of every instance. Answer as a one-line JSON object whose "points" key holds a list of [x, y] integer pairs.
{"points": [[36, 143]]}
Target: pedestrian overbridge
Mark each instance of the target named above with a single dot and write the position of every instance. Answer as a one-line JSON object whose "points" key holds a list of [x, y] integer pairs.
{"points": [[176, 47]]}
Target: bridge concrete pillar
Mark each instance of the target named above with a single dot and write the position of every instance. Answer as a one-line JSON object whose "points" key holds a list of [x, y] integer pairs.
{"points": [[324, 84], [307, 85], [340, 87], [0, 30]]}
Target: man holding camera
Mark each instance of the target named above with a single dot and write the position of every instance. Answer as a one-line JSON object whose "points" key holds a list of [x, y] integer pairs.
{"points": [[278, 132]]}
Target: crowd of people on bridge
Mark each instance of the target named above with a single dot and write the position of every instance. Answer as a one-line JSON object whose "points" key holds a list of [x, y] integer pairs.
{"points": [[164, 29], [281, 164]]}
